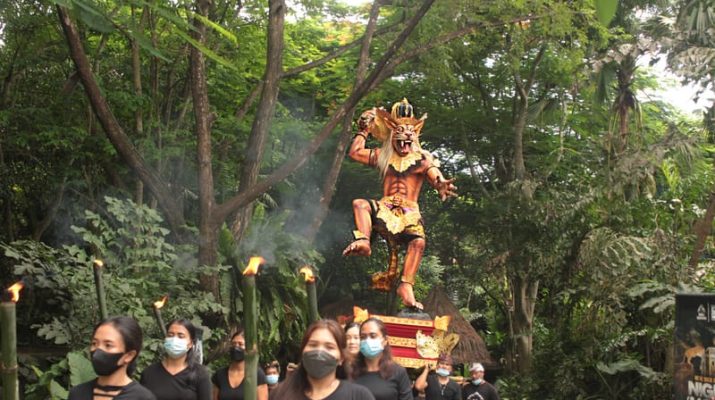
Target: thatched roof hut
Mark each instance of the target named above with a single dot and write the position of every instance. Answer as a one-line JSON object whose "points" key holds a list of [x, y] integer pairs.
{"points": [[471, 346]]}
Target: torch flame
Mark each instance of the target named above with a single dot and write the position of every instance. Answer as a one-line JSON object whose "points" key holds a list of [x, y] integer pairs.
{"points": [[253, 264], [159, 304], [15, 291], [99, 263], [307, 274]]}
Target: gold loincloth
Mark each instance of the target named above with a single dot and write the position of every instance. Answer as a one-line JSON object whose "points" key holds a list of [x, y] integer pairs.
{"points": [[396, 215]]}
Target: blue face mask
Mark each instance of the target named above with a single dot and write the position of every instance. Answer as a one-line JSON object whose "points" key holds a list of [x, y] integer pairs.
{"points": [[176, 347], [442, 372], [271, 379], [371, 348], [477, 382]]}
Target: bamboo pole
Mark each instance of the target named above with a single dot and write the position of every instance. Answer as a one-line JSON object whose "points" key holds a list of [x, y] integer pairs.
{"points": [[8, 345], [250, 322], [99, 285], [157, 314], [312, 292]]}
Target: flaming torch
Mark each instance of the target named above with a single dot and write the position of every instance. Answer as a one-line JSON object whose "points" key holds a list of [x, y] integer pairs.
{"points": [[8, 330], [250, 322], [309, 277], [157, 313], [99, 284]]}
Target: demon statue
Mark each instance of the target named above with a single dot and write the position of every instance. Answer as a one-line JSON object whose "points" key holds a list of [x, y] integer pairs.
{"points": [[403, 166]]}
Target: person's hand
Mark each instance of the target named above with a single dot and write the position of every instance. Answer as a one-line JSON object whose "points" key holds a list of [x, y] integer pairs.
{"points": [[366, 121], [291, 367], [446, 188]]}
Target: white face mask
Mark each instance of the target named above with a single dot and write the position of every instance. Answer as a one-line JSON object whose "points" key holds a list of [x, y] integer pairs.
{"points": [[176, 347], [272, 379]]}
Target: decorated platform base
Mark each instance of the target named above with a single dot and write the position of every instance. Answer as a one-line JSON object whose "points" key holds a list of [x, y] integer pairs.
{"points": [[414, 342]]}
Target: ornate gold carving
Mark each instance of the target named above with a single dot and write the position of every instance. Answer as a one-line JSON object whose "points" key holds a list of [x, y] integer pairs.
{"points": [[359, 314], [442, 323], [402, 342], [404, 321], [426, 346], [411, 362]]}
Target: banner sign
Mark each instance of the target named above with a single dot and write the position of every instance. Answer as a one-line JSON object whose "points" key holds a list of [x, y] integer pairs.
{"points": [[694, 372]]}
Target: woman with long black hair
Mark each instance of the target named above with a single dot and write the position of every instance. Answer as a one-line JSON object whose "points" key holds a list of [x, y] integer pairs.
{"points": [[322, 369], [228, 382], [116, 344], [374, 367], [180, 375]]}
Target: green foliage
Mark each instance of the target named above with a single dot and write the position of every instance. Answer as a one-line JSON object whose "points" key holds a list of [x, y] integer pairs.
{"points": [[139, 268], [606, 10]]}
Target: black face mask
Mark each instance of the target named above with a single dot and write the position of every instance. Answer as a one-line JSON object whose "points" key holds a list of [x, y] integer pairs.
{"points": [[237, 354], [104, 363], [318, 363]]}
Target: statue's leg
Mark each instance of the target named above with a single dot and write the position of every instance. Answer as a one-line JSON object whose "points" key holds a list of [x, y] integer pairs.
{"points": [[363, 220], [413, 257]]}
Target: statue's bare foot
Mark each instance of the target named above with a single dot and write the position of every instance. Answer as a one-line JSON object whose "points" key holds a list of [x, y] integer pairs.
{"points": [[408, 297], [360, 247]]}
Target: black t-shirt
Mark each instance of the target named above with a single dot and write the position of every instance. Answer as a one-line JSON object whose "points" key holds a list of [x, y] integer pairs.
{"points": [[485, 391], [132, 391], [437, 391], [397, 387], [225, 391], [345, 391], [186, 385]]}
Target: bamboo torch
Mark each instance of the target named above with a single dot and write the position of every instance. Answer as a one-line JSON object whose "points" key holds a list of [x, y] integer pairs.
{"points": [[99, 285], [8, 330], [309, 277], [157, 313], [250, 322]]}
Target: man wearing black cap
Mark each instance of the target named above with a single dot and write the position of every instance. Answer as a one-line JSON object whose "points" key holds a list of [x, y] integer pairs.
{"points": [[478, 388], [438, 385]]}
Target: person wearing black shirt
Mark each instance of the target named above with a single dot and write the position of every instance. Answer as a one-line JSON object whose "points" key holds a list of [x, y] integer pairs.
{"points": [[438, 385], [228, 381], [322, 368], [179, 376], [116, 344], [374, 367], [478, 388]]}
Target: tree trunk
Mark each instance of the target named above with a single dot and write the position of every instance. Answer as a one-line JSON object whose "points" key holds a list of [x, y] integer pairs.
{"points": [[7, 205], [199, 92], [264, 115], [703, 227], [51, 212], [523, 90], [7, 84], [524, 294], [138, 117], [519, 125], [114, 132], [328, 189], [702, 230]]}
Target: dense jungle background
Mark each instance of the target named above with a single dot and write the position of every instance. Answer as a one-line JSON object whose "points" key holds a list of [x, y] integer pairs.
{"points": [[175, 139]]}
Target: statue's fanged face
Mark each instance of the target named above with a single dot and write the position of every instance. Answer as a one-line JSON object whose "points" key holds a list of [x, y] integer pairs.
{"points": [[402, 138]]}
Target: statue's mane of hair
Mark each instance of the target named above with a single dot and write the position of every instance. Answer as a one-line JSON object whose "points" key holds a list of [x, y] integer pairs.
{"points": [[386, 152]]}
